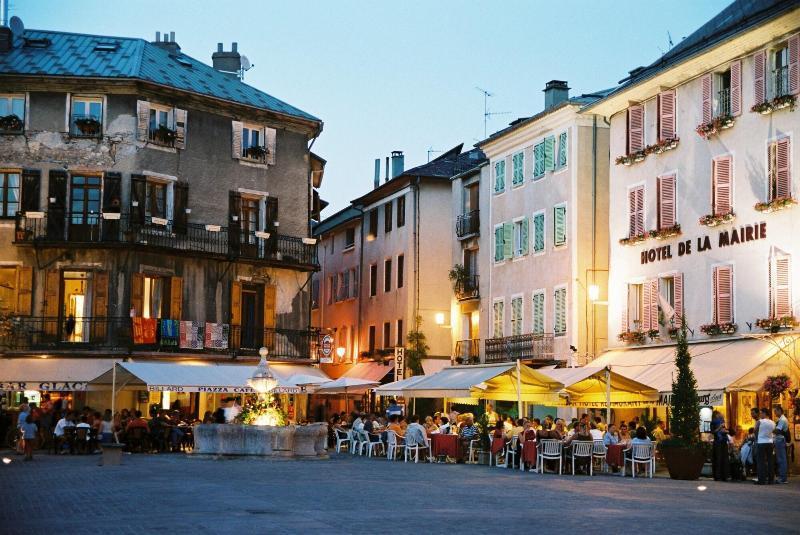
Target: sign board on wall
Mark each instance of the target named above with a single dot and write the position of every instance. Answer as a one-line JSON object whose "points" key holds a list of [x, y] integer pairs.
{"points": [[326, 349], [399, 363]]}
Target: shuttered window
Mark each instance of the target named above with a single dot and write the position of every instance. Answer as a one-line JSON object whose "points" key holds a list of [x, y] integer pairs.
{"points": [[521, 237], [666, 115], [508, 240], [498, 243], [538, 232], [562, 150], [666, 201], [736, 88], [677, 294], [538, 312], [560, 311], [636, 211], [794, 64], [500, 176], [635, 129], [759, 77], [559, 225], [780, 287], [706, 88], [779, 170], [16, 284], [538, 160], [549, 153], [723, 294], [161, 125], [516, 316], [517, 164], [497, 319], [650, 305], [722, 183]]}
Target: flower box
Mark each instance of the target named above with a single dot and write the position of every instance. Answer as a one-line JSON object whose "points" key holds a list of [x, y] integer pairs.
{"points": [[654, 334], [657, 148], [88, 126], [256, 152], [712, 220], [633, 240], [716, 329], [777, 103], [775, 205], [713, 127], [164, 135], [774, 325], [665, 233], [10, 123], [632, 337]]}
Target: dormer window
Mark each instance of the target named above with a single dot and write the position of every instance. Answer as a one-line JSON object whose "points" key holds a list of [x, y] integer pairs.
{"points": [[12, 114]]}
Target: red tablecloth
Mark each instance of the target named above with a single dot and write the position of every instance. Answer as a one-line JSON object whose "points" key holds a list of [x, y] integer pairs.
{"points": [[529, 452], [445, 445], [615, 455], [498, 444]]}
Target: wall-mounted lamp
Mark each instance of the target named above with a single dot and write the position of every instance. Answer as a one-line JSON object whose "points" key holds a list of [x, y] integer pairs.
{"points": [[439, 318], [340, 352]]}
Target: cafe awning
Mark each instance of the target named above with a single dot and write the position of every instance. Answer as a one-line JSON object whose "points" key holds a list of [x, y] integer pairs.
{"points": [[587, 386], [396, 388], [50, 374], [488, 381], [371, 371]]}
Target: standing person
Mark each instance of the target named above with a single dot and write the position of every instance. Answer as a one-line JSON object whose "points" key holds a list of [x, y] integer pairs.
{"points": [[766, 446], [754, 414], [719, 459], [393, 409], [24, 412], [491, 416], [29, 432], [781, 437]]}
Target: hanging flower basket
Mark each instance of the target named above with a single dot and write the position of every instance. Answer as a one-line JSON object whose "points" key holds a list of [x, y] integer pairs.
{"points": [[716, 329], [10, 123], [665, 233], [775, 205], [712, 220], [777, 384], [713, 127]]}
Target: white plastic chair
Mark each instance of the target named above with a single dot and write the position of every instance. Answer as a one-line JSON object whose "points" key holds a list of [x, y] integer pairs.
{"points": [[393, 443], [343, 439], [640, 454], [509, 452], [582, 449], [549, 450], [473, 449], [355, 441], [413, 450], [372, 445], [599, 454]]}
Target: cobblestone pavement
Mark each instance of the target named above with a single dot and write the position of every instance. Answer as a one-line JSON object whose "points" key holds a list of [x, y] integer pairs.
{"points": [[149, 493]]}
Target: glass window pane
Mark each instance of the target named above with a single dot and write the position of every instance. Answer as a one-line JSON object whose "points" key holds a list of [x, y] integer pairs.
{"points": [[5, 109], [162, 118], [13, 180], [96, 110], [255, 138], [94, 194], [94, 180], [79, 107], [153, 123], [18, 107], [77, 194], [77, 180]]}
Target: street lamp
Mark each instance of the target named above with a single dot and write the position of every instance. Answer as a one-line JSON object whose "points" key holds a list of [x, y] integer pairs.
{"points": [[262, 380]]}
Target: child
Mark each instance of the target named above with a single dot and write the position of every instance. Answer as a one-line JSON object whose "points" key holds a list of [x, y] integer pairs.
{"points": [[29, 432]]}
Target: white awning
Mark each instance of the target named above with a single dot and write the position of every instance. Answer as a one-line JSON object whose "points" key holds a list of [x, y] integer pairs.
{"points": [[397, 388], [586, 386], [67, 374], [371, 371]]}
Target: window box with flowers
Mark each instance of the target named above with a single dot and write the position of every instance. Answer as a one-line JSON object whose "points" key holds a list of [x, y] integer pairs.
{"points": [[255, 152], [715, 126], [10, 124], [673, 332], [632, 337], [666, 233], [774, 325], [654, 334], [716, 329], [777, 103], [713, 220], [657, 148], [164, 135], [633, 240], [775, 205]]}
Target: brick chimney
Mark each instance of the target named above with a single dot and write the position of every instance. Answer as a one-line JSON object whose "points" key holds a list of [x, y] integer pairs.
{"points": [[168, 43]]}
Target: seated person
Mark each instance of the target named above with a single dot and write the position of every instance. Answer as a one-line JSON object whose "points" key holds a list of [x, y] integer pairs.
{"points": [[581, 433], [395, 426], [430, 425], [611, 437], [640, 438], [596, 433], [624, 435], [415, 433], [444, 426], [515, 429], [658, 433], [371, 428], [138, 421], [469, 432]]}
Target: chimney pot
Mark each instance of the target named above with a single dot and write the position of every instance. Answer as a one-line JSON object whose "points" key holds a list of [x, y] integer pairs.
{"points": [[219, 47], [234, 47], [158, 37], [398, 163], [386, 176], [171, 37], [377, 179]]}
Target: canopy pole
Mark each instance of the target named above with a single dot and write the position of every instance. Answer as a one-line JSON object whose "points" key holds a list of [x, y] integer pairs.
{"points": [[413, 405], [608, 395], [113, 389], [519, 390]]}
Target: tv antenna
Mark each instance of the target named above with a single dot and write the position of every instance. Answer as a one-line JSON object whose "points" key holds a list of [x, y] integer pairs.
{"points": [[486, 113], [431, 150]]}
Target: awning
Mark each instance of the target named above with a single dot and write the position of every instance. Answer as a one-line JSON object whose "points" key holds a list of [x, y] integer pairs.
{"points": [[587, 386], [487, 381], [347, 385], [725, 366], [396, 388], [371, 371], [208, 378], [70, 374]]}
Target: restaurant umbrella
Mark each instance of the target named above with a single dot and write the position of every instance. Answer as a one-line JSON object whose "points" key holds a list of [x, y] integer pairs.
{"points": [[346, 385]]}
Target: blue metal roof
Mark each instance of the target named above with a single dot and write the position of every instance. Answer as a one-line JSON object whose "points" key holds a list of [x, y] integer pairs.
{"points": [[74, 54]]}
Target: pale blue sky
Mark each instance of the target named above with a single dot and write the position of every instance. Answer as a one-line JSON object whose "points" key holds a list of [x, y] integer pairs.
{"points": [[400, 76]]}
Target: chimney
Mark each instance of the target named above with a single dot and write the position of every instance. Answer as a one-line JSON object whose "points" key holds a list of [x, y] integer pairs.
{"points": [[4, 12], [377, 180], [386, 176], [168, 43], [228, 62], [555, 92], [398, 162]]}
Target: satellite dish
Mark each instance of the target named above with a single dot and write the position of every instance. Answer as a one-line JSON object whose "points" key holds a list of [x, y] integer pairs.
{"points": [[16, 26], [245, 63]]}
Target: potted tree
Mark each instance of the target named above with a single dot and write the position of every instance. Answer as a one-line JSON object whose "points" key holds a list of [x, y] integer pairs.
{"points": [[683, 451], [459, 276]]}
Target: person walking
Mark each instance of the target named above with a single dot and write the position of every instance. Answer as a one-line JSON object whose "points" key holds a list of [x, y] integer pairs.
{"points": [[766, 447], [781, 437]]}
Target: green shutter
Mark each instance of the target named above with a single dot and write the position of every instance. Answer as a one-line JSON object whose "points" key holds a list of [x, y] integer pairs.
{"points": [[524, 236], [560, 225], [500, 176], [498, 244], [538, 233], [517, 163], [538, 313], [508, 240], [560, 316], [549, 153], [516, 316], [498, 319], [562, 149], [538, 160]]}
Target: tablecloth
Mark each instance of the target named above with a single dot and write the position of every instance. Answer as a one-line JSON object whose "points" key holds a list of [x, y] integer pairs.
{"points": [[529, 452], [445, 445], [615, 455]]}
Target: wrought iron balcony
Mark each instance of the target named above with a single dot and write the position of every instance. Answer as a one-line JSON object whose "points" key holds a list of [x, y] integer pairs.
{"points": [[522, 347], [60, 229], [724, 102], [86, 126], [115, 335], [780, 81], [468, 351], [468, 224], [468, 288]]}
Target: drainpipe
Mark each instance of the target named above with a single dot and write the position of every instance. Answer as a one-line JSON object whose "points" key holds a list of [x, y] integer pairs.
{"points": [[594, 237]]}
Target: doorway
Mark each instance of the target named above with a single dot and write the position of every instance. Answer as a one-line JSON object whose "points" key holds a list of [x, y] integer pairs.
{"points": [[76, 306], [85, 208], [252, 317]]}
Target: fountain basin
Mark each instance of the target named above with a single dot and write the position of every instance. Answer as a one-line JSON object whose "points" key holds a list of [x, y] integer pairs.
{"points": [[279, 442]]}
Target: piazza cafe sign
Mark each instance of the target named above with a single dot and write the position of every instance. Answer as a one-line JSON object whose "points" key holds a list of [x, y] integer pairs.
{"points": [[725, 238]]}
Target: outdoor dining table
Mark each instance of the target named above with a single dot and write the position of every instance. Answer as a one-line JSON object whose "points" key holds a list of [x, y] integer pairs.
{"points": [[615, 454], [445, 445]]}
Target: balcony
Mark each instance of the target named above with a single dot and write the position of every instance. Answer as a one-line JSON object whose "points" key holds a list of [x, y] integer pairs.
{"points": [[468, 351], [104, 230], [85, 126], [468, 224], [114, 335], [521, 347], [780, 81], [724, 102], [467, 288]]}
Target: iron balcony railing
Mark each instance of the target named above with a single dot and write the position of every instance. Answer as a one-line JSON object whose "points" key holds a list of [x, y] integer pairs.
{"points": [[468, 224], [522, 347], [255, 153], [88, 126], [110, 229], [780, 81], [115, 335], [467, 288], [724, 102], [161, 135], [468, 351]]}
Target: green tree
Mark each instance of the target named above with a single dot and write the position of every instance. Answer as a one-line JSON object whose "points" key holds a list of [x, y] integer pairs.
{"points": [[417, 347], [685, 404]]}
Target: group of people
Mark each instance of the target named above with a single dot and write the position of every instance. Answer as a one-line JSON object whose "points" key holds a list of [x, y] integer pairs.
{"points": [[762, 450]]}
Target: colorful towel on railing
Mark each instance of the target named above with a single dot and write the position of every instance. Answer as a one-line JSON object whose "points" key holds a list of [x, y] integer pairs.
{"points": [[191, 335], [144, 331], [169, 332], [217, 335]]}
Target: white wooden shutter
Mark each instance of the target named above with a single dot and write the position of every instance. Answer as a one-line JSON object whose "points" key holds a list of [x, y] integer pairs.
{"points": [[666, 110], [236, 139], [706, 88], [677, 298], [723, 290], [180, 128], [783, 180], [142, 120], [271, 137], [759, 77], [722, 185], [736, 88], [794, 64], [666, 201], [781, 285], [635, 129]]}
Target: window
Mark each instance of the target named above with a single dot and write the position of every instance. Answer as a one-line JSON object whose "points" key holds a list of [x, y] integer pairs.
{"points": [[331, 286], [401, 261], [559, 225], [315, 293], [87, 117], [722, 178], [518, 173], [373, 223], [780, 71], [353, 283], [156, 294], [373, 280], [779, 170], [155, 204], [249, 219], [344, 286], [666, 115], [670, 300], [160, 121], [521, 237], [503, 241], [722, 100], [401, 211], [650, 301], [387, 275], [635, 129], [632, 313], [562, 150], [780, 286], [10, 192], [13, 105], [387, 334], [666, 201], [400, 333], [636, 211], [387, 217], [371, 340], [560, 311], [500, 176], [516, 316], [498, 243], [538, 160], [497, 319], [538, 312], [538, 232], [723, 294], [349, 238], [254, 142]]}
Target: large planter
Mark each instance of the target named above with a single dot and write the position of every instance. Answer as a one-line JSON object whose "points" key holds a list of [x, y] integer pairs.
{"points": [[684, 463]]}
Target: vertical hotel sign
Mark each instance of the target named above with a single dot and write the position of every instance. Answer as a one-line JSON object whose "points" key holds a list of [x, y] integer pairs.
{"points": [[399, 363]]}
